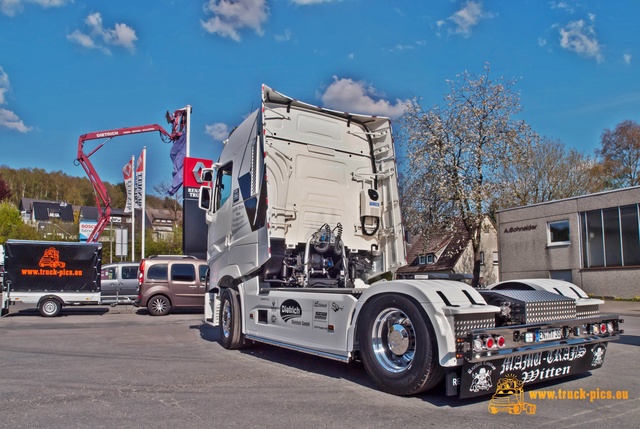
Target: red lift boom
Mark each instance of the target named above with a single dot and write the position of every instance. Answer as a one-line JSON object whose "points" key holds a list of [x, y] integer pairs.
{"points": [[178, 123]]}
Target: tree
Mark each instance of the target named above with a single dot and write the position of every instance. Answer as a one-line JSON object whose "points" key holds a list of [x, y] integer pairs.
{"points": [[546, 171], [619, 155], [5, 191], [12, 226], [455, 154]]}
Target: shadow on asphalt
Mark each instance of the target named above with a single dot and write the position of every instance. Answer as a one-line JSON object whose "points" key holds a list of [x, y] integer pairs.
{"points": [[353, 372], [630, 340], [64, 312]]}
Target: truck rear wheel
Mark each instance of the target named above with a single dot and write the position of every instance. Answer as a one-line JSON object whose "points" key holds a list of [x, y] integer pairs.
{"points": [[231, 336], [49, 307], [398, 346]]}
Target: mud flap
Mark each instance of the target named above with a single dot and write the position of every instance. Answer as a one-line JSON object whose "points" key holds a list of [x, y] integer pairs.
{"points": [[212, 308], [481, 378], [452, 381]]}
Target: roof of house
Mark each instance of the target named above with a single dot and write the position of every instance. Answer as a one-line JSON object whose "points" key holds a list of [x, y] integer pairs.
{"points": [[89, 213], [448, 246], [48, 210]]}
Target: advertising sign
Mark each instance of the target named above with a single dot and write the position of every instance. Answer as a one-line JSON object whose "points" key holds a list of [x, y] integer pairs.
{"points": [[194, 229]]}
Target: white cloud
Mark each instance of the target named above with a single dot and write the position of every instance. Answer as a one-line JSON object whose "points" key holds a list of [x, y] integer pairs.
{"points": [[230, 16], [580, 37], [466, 18], [627, 58], [285, 37], [219, 131], [308, 2], [358, 97], [13, 7], [99, 37], [562, 5], [4, 85], [8, 119]]}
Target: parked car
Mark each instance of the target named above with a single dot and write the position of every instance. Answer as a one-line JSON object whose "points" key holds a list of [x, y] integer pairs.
{"points": [[168, 282], [119, 283]]}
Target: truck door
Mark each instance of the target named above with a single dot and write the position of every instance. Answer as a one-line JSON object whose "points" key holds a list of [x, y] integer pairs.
{"points": [[220, 234]]}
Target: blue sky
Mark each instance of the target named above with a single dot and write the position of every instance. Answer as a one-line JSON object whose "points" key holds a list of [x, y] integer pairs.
{"points": [[72, 67]]}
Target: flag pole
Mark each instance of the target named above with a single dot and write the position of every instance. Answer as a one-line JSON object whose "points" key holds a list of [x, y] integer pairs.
{"points": [[143, 202], [188, 142], [133, 210]]}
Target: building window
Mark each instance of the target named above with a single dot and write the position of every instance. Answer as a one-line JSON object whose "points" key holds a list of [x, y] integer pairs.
{"points": [[421, 260], [431, 258], [610, 237], [558, 233], [496, 260], [561, 275], [481, 258]]}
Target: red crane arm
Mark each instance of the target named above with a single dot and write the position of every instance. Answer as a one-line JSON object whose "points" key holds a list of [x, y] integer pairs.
{"points": [[103, 201]]}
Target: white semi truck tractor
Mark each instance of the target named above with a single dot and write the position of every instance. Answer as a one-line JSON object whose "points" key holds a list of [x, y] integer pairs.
{"points": [[303, 212]]}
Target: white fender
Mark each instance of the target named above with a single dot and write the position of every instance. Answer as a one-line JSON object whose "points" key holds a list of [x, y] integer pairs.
{"points": [[441, 301]]}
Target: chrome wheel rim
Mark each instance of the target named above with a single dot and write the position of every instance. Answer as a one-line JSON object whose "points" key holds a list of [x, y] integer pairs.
{"points": [[159, 305], [226, 318], [393, 340]]}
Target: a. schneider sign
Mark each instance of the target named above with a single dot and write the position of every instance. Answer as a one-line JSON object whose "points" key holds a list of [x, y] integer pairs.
{"points": [[513, 229]]}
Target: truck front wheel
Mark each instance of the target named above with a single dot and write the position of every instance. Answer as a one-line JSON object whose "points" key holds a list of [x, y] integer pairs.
{"points": [[398, 346], [49, 307], [230, 325]]}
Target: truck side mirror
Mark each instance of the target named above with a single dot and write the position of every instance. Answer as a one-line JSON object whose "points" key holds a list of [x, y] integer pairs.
{"points": [[206, 175], [204, 197]]}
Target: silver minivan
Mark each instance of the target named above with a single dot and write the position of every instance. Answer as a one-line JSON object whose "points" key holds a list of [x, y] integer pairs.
{"points": [[119, 283]]}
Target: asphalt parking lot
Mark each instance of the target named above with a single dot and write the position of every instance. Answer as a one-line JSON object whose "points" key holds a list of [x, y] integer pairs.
{"points": [[103, 367]]}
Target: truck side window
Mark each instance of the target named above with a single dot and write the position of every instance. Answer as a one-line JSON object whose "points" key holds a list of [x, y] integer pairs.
{"points": [[202, 269], [223, 185]]}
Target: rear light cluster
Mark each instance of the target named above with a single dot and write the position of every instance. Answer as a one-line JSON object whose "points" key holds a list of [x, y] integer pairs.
{"points": [[140, 278], [488, 342], [600, 328]]}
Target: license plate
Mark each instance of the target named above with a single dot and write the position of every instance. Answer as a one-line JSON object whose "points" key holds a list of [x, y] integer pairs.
{"points": [[548, 334]]}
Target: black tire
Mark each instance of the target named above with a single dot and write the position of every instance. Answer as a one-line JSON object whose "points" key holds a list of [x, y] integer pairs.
{"points": [[49, 307], [231, 336], [398, 345], [159, 305]]}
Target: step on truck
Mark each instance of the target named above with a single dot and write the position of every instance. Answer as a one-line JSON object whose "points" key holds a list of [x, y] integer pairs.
{"points": [[303, 215], [50, 274]]}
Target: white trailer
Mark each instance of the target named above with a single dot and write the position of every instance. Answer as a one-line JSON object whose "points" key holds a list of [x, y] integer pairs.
{"points": [[304, 212], [50, 274]]}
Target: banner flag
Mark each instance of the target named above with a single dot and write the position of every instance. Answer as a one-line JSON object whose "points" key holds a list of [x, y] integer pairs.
{"points": [[139, 184], [177, 153], [127, 172]]}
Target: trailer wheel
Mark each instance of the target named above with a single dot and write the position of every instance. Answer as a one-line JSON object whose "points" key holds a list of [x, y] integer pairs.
{"points": [[398, 346], [49, 307], [231, 336], [159, 305]]}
